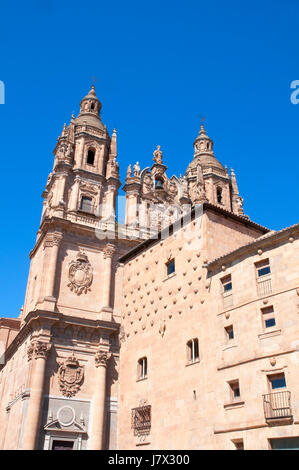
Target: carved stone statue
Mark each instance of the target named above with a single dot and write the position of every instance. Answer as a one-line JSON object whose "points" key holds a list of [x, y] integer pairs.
{"points": [[136, 168], [69, 154], [147, 183], [129, 171], [158, 155]]}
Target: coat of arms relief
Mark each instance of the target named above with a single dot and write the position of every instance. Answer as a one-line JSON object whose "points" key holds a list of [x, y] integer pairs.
{"points": [[80, 274], [70, 376]]}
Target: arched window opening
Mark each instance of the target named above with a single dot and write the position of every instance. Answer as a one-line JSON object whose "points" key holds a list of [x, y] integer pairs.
{"points": [[219, 195], [86, 204], [159, 183], [90, 157], [92, 106]]}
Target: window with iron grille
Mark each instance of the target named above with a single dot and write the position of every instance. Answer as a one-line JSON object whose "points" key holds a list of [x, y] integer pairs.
{"points": [[141, 419]]}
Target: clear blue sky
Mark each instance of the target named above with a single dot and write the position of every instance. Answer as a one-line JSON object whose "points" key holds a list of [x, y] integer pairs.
{"points": [[160, 65]]}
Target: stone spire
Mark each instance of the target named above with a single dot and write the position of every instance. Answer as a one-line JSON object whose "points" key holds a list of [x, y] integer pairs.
{"points": [[237, 200]]}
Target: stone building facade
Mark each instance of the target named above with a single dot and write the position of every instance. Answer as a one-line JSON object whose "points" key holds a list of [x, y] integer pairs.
{"points": [[176, 330]]}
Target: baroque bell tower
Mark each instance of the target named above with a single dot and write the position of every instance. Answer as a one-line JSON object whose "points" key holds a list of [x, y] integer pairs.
{"points": [[80, 196], [72, 312]]}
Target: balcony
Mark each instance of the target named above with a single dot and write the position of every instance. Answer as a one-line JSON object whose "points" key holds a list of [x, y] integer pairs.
{"points": [[264, 286], [227, 300], [277, 408]]}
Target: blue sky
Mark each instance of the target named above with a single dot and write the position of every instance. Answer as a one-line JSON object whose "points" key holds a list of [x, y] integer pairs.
{"points": [[159, 67]]}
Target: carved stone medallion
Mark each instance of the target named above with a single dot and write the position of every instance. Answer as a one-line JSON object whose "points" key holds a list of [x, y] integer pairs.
{"points": [[70, 376], [80, 274]]}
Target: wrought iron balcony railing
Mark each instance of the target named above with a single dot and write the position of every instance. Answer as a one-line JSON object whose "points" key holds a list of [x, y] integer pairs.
{"points": [[277, 405], [141, 419]]}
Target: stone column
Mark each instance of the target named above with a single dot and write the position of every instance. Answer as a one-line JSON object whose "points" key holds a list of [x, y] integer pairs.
{"points": [[38, 352], [132, 209], [102, 357], [108, 255], [51, 247]]}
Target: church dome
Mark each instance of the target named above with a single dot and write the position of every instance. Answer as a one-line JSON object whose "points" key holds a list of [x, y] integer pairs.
{"points": [[203, 153], [90, 107]]}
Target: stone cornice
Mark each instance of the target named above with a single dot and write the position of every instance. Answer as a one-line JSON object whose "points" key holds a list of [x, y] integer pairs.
{"points": [[13, 323], [39, 318], [52, 224]]}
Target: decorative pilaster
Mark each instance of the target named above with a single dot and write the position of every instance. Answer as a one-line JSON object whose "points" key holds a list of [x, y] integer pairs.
{"points": [[74, 195], [109, 251], [101, 360], [51, 248], [38, 351]]}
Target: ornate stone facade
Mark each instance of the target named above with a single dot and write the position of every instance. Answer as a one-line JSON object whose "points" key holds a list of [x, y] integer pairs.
{"points": [[130, 333]]}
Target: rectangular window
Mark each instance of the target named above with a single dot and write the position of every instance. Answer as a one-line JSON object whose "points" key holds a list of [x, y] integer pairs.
{"points": [[192, 351], [142, 368], [277, 381], [170, 266], [227, 291], [235, 393], [229, 332], [263, 268], [263, 275], [268, 317], [62, 445], [86, 204]]}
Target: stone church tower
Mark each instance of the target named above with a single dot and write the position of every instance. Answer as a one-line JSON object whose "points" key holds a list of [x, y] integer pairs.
{"points": [[59, 384], [154, 201], [71, 314]]}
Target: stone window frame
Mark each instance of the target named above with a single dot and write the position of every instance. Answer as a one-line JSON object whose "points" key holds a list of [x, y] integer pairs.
{"points": [[142, 368], [90, 149], [191, 351]]}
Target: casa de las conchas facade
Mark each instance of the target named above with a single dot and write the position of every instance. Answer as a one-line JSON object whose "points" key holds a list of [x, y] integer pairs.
{"points": [[176, 329]]}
